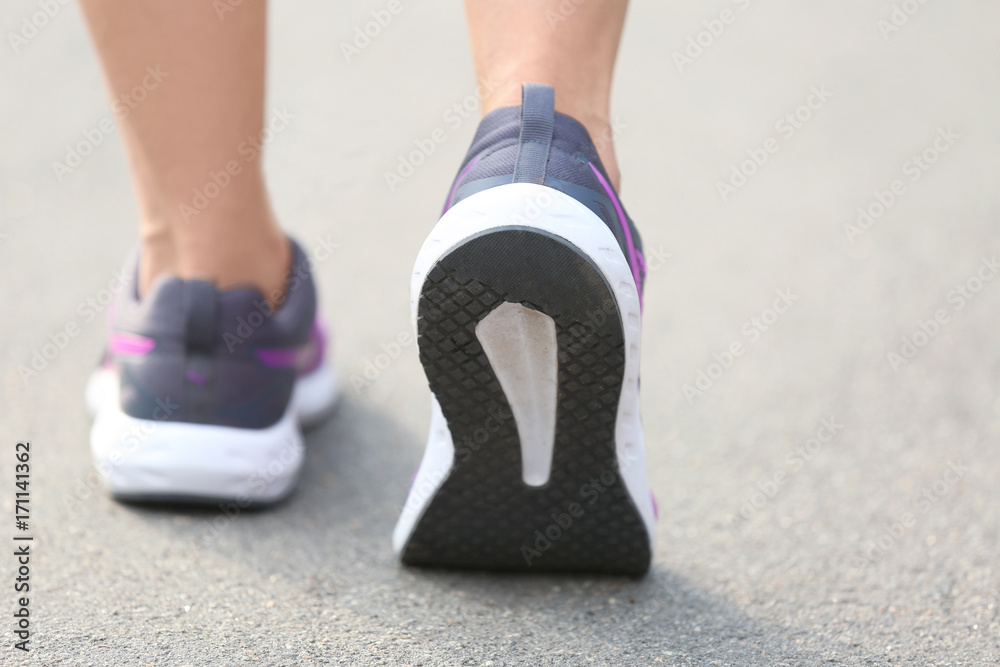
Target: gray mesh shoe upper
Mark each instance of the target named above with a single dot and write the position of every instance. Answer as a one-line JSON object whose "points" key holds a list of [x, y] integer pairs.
{"points": [[572, 164], [189, 352]]}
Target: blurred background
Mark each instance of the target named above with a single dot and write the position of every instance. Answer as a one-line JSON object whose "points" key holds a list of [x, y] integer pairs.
{"points": [[829, 496]]}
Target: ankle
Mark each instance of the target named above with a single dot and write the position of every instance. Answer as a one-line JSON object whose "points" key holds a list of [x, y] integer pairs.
{"points": [[602, 134], [234, 241], [157, 255], [247, 257]]}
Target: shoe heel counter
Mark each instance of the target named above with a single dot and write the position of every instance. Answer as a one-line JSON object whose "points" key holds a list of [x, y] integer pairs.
{"points": [[219, 390], [535, 144]]}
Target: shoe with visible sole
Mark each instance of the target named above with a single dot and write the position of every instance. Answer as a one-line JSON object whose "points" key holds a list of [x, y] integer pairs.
{"points": [[202, 393], [526, 299]]}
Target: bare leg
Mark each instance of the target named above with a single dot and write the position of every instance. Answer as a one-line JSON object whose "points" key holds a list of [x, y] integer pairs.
{"points": [[573, 50], [210, 100]]}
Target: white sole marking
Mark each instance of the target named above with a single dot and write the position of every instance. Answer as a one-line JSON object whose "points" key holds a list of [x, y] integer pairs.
{"points": [[521, 346]]}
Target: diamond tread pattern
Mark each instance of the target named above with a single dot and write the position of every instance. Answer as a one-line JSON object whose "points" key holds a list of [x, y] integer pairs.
{"points": [[483, 515]]}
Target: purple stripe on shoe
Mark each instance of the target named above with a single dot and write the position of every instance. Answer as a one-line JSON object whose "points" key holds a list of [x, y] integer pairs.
{"points": [[318, 337], [304, 359], [458, 181], [123, 343], [634, 262], [198, 378], [283, 357]]}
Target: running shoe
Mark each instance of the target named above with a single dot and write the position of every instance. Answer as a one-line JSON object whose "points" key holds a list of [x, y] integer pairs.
{"points": [[526, 299], [202, 393]]}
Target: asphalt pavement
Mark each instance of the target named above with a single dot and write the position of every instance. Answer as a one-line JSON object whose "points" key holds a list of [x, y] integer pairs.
{"points": [[816, 184]]}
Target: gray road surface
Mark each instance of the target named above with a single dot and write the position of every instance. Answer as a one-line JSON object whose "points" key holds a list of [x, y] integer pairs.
{"points": [[875, 545]]}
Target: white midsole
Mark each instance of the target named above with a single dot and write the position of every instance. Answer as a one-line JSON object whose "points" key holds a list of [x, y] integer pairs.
{"points": [[147, 457], [551, 211]]}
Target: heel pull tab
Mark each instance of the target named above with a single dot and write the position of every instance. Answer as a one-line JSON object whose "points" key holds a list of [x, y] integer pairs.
{"points": [[199, 305], [537, 121]]}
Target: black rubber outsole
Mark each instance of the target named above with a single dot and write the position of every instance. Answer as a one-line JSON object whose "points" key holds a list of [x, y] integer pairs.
{"points": [[484, 516]]}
